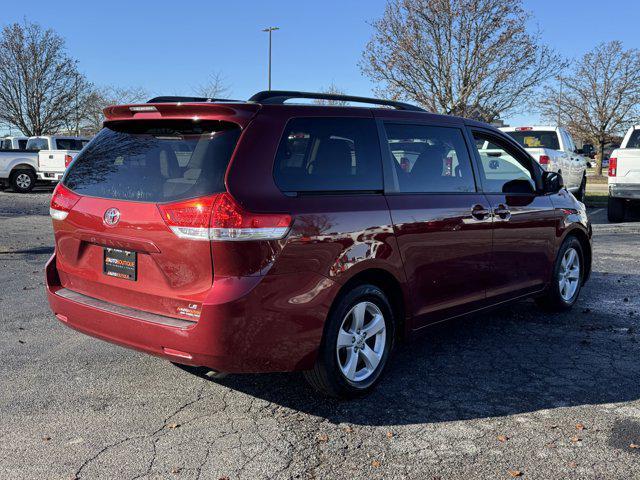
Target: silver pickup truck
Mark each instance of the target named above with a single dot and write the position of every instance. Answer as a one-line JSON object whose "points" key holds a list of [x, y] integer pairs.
{"points": [[554, 149]]}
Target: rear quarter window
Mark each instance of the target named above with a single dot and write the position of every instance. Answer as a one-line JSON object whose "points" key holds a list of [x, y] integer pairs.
{"points": [[154, 161], [329, 155]]}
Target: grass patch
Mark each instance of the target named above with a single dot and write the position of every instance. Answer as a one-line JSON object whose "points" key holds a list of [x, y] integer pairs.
{"points": [[600, 179], [596, 199]]}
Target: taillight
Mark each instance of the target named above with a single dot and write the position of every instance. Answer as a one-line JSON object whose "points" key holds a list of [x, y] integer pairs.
{"points": [[544, 160], [190, 218], [67, 160], [613, 167], [229, 221], [220, 218], [62, 201]]}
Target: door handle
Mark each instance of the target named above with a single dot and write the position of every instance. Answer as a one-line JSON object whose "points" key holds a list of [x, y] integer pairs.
{"points": [[479, 212], [502, 212]]}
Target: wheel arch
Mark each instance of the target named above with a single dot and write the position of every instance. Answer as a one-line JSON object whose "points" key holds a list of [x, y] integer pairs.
{"points": [[22, 166], [585, 242], [390, 285]]}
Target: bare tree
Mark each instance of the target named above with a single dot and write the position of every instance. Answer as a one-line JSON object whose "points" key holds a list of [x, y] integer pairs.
{"points": [[332, 89], [96, 100], [458, 56], [600, 96], [38, 80], [214, 87]]}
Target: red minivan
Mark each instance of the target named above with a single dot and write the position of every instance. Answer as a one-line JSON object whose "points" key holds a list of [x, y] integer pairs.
{"points": [[267, 236]]}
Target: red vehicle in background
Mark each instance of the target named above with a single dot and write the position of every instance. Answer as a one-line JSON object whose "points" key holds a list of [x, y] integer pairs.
{"points": [[266, 236]]}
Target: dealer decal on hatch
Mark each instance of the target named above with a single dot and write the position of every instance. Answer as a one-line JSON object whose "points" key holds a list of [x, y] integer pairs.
{"points": [[193, 310]]}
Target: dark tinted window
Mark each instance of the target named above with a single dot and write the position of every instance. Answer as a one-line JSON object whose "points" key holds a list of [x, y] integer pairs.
{"points": [[536, 139], [634, 139], [69, 144], [329, 154], [430, 159], [22, 144], [155, 161], [503, 169]]}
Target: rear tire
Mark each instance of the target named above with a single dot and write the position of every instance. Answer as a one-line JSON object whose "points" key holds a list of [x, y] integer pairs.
{"points": [[22, 181], [568, 275], [358, 337], [616, 209]]}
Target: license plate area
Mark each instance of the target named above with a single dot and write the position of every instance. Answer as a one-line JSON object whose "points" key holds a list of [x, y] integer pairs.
{"points": [[120, 264]]}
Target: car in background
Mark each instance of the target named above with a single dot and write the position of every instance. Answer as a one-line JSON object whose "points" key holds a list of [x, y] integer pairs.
{"points": [[55, 153], [14, 143], [267, 236], [18, 169], [624, 176], [554, 149], [43, 160]]}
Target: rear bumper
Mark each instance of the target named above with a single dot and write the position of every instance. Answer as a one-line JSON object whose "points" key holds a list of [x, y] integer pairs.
{"points": [[49, 176], [625, 190], [248, 324]]}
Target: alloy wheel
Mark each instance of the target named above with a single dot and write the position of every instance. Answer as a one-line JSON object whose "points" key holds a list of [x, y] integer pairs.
{"points": [[361, 341], [23, 180], [569, 274]]}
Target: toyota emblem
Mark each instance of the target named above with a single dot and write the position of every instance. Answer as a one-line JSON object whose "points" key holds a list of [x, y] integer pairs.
{"points": [[111, 217]]}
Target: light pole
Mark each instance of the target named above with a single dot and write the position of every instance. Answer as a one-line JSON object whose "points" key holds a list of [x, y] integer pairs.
{"points": [[559, 101], [270, 29]]}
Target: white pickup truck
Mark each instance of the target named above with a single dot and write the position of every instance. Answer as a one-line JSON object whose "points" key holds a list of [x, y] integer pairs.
{"points": [[624, 175], [13, 143], [555, 151], [44, 159]]}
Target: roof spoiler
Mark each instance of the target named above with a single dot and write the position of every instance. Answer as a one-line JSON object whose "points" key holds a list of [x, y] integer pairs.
{"points": [[170, 99]]}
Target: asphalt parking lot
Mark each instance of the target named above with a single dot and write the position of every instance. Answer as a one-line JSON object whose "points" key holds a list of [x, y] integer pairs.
{"points": [[511, 393]]}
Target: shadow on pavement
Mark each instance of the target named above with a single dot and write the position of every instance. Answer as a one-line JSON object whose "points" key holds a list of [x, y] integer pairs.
{"points": [[506, 362]]}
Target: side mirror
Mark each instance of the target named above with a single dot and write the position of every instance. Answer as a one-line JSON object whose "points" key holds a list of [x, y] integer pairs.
{"points": [[580, 151], [519, 186], [552, 182]]}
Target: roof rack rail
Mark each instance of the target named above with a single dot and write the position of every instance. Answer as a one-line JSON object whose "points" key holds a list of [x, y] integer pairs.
{"points": [[281, 96], [172, 99]]}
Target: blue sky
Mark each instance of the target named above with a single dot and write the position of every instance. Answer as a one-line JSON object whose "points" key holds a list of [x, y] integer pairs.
{"points": [[170, 48]]}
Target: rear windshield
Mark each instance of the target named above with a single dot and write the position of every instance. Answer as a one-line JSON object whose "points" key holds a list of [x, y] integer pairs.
{"points": [[634, 139], [69, 144], [536, 139], [38, 144], [154, 161]]}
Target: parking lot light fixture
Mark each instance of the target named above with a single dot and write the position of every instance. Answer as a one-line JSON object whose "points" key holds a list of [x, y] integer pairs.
{"points": [[270, 30]]}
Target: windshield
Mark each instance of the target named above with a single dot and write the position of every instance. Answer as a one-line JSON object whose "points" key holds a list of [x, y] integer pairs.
{"points": [[154, 161], [536, 139]]}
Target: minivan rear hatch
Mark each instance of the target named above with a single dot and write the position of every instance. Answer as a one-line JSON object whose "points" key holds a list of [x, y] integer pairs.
{"points": [[113, 241]]}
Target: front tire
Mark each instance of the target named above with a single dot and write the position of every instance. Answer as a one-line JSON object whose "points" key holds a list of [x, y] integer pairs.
{"points": [[358, 338], [22, 181], [568, 275], [616, 209]]}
